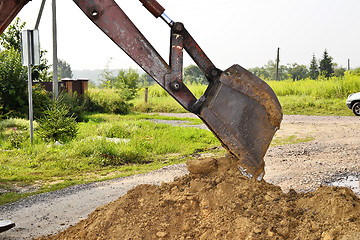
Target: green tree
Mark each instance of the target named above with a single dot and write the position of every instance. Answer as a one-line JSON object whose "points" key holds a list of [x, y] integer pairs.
{"points": [[193, 74], [339, 71], [270, 67], [260, 72], [326, 66], [107, 79], [314, 68], [11, 39], [297, 71], [125, 80], [146, 80], [64, 69], [13, 94], [268, 71]]}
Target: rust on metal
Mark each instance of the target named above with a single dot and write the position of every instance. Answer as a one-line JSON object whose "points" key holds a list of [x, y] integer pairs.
{"points": [[199, 56], [110, 18], [8, 11], [154, 7], [176, 59]]}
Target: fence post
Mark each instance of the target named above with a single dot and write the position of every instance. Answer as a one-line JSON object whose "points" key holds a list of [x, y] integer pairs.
{"points": [[277, 65], [146, 94]]}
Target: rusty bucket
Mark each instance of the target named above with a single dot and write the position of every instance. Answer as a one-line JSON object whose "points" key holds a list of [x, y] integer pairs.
{"points": [[244, 113]]}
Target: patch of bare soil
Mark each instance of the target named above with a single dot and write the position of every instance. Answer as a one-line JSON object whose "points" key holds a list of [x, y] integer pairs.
{"points": [[333, 154], [216, 202]]}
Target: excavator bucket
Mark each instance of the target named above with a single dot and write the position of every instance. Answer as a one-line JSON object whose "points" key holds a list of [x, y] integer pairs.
{"points": [[244, 113]]}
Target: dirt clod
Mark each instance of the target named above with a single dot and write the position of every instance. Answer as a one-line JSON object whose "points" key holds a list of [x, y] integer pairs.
{"points": [[216, 202]]}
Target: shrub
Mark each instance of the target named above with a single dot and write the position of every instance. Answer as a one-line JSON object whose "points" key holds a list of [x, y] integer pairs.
{"points": [[14, 132], [15, 123], [76, 104], [126, 82], [56, 123], [17, 137]]}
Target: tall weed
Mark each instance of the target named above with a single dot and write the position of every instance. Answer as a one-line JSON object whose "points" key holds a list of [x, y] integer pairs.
{"points": [[160, 101], [335, 87], [107, 101]]}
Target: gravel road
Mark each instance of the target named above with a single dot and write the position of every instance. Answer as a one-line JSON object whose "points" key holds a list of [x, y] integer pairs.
{"points": [[332, 156]]}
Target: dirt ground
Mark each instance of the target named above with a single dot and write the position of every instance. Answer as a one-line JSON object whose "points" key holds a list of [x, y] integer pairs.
{"points": [[201, 206], [332, 155]]}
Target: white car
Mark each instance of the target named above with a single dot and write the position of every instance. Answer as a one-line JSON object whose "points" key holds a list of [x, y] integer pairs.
{"points": [[6, 225], [353, 102]]}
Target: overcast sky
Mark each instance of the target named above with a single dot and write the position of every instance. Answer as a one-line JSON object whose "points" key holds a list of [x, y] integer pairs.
{"points": [[246, 32]]}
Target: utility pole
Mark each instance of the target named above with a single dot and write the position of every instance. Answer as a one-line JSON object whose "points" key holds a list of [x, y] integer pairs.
{"points": [[55, 59], [277, 64], [348, 64]]}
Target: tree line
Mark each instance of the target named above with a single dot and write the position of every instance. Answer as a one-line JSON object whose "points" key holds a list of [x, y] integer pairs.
{"points": [[324, 67]]}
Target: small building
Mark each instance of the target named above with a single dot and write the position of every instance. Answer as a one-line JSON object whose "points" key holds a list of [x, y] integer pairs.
{"points": [[79, 85]]}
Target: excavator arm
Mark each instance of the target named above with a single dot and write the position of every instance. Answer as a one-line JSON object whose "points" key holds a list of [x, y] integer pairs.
{"points": [[8, 11], [240, 109]]}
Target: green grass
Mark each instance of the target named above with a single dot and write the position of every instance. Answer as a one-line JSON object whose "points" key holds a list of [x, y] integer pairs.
{"points": [[317, 97], [94, 155], [160, 101], [309, 105], [292, 139], [334, 87]]}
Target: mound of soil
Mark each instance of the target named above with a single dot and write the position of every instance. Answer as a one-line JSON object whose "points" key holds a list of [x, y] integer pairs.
{"points": [[216, 202]]}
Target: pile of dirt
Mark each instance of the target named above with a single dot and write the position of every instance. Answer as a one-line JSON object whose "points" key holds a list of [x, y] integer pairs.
{"points": [[216, 202]]}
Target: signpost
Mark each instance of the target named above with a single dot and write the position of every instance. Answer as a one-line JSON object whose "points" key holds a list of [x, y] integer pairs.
{"points": [[30, 56]]}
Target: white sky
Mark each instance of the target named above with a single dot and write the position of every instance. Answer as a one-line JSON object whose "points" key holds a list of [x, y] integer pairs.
{"points": [[246, 32]]}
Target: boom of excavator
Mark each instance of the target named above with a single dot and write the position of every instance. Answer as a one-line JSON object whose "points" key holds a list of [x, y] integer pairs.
{"points": [[240, 109]]}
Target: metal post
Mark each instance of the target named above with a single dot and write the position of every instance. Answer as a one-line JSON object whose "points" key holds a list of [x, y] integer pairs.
{"points": [[30, 56], [55, 60], [40, 14], [146, 94], [277, 64], [31, 115], [348, 64]]}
